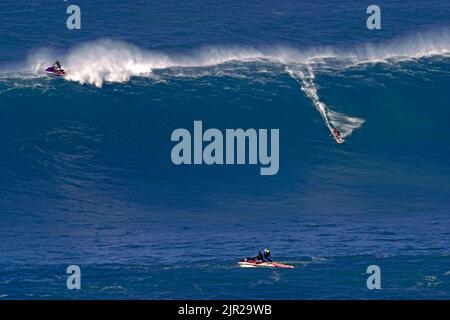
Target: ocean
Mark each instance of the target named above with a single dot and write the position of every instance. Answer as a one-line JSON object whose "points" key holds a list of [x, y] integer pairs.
{"points": [[85, 162]]}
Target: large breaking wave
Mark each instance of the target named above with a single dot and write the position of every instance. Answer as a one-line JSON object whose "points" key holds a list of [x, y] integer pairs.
{"points": [[114, 61], [106, 60]]}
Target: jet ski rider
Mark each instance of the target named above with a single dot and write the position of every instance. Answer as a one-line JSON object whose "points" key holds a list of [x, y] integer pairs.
{"points": [[57, 65], [263, 257], [259, 257], [267, 255]]}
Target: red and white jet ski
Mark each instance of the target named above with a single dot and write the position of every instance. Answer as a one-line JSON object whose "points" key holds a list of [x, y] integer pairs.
{"points": [[251, 263]]}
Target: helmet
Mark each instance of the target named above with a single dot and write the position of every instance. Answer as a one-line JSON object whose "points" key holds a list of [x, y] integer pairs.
{"points": [[267, 250]]}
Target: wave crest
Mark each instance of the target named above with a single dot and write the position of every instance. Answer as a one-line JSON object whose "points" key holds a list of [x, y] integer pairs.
{"points": [[114, 61]]}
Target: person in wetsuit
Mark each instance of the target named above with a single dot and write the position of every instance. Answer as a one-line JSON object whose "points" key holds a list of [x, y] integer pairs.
{"points": [[267, 255], [259, 257], [57, 65]]}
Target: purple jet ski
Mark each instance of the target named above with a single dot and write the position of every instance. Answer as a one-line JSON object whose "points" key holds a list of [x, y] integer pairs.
{"points": [[55, 69]]}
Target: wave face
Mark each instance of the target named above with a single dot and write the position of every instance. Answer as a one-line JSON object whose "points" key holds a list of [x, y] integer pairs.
{"points": [[85, 165]]}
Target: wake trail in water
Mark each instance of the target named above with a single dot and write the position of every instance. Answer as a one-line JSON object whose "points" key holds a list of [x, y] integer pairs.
{"points": [[345, 124]]}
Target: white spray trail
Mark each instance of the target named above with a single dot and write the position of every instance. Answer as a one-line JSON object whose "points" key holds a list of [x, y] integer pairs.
{"points": [[332, 119]]}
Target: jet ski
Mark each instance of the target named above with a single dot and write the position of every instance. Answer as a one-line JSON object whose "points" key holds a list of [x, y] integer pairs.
{"points": [[56, 72], [252, 263]]}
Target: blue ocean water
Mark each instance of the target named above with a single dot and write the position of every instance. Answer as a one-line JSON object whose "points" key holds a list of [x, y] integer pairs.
{"points": [[87, 179]]}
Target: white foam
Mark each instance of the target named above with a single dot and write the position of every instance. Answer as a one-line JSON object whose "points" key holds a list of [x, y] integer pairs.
{"points": [[113, 61]]}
